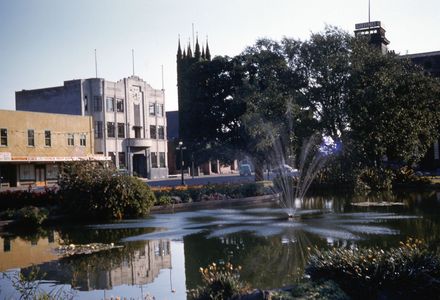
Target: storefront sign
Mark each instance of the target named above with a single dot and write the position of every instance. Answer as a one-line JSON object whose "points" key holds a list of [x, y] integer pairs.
{"points": [[5, 156]]}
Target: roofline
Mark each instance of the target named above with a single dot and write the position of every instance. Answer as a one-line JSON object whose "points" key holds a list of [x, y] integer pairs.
{"points": [[423, 54]]}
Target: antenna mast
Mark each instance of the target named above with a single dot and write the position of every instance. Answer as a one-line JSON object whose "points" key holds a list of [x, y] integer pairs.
{"points": [[163, 89], [132, 58], [194, 45], [369, 19], [96, 66]]}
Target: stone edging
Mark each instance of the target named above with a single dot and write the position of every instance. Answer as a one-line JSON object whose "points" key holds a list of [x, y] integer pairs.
{"points": [[214, 204]]}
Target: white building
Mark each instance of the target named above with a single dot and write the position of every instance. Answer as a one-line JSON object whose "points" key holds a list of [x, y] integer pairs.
{"points": [[128, 116]]}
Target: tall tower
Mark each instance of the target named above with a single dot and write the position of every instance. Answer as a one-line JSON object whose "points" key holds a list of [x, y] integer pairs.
{"points": [[185, 86], [375, 32]]}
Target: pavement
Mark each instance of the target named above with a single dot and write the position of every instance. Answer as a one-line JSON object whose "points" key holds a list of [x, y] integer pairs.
{"points": [[201, 180]]}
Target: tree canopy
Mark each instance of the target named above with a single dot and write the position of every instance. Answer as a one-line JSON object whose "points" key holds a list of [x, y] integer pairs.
{"points": [[377, 106]]}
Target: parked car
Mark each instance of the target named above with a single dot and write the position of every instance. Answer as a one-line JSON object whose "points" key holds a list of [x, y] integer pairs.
{"points": [[245, 170], [285, 170]]}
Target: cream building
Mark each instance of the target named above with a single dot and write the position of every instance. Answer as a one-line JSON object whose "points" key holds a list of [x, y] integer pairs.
{"points": [[128, 118], [33, 144]]}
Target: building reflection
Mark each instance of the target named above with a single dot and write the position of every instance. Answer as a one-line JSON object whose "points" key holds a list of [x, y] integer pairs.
{"points": [[135, 264], [18, 252]]}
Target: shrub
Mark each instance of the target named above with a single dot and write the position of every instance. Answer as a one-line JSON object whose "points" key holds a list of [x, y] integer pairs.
{"points": [[219, 282], [373, 179], [21, 198], [322, 290], [90, 189], [406, 175], [410, 270], [164, 200], [31, 215]]}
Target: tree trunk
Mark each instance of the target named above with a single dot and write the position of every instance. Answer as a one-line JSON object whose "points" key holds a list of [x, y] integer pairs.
{"points": [[259, 171]]}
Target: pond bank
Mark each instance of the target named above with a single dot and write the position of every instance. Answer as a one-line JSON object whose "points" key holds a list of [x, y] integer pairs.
{"points": [[256, 200]]}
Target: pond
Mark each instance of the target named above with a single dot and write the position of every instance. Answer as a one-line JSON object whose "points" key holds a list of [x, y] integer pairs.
{"points": [[162, 254]]}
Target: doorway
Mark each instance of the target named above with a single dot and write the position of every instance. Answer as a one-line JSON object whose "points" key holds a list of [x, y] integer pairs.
{"points": [[140, 165], [40, 175]]}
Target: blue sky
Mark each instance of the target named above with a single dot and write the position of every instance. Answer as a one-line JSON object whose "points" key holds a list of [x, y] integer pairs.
{"points": [[44, 42]]}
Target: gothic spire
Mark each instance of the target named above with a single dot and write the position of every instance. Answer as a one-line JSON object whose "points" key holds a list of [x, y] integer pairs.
{"points": [[179, 50], [188, 51], [207, 53], [197, 49], [203, 53]]}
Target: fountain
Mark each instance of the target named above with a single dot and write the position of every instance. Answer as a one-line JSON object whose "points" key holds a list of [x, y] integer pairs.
{"points": [[292, 187]]}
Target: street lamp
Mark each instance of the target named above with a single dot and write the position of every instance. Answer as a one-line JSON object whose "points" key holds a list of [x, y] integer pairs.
{"points": [[181, 148]]}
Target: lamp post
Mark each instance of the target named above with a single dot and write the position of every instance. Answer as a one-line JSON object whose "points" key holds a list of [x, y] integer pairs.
{"points": [[181, 148]]}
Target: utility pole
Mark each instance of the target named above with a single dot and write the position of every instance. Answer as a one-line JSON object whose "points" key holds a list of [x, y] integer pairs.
{"points": [[181, 148]]}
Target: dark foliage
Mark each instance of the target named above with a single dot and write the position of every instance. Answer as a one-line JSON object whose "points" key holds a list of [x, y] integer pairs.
{"points": [[94, 190]]}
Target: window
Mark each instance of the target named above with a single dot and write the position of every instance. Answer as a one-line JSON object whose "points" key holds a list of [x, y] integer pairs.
{"points": [[159, 110], [162, 159], [121, 160], [70, 139], [110, 104], [52, 171], [110, 129], [120, 105], [27, 172], [153, 159], [98, 129], [121, 130], [31, 138], [86, 104], [47, 138], [112, 157], [3, 137], [153, 134], [97, 103], [161, 132], [82, 139], [137, 132], [152, 109]]}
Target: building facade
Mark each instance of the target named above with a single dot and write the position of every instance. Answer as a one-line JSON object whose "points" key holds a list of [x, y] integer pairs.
{"points": [[32, 145], [128, 118], [430, 61]]}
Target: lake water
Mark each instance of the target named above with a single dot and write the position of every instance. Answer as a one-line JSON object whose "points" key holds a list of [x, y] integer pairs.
{"points": [[161, 255]]}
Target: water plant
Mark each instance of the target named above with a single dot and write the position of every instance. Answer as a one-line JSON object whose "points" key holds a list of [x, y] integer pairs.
{"points": [[407, 271], [219, 282]]}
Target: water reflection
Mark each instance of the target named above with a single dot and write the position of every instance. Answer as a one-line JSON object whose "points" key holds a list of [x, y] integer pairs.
{"points": [[27, 250], [135, 264], [164, 253]]}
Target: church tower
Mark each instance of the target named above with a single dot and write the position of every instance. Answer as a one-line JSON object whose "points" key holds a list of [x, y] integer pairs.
{"points": [[185, 88]]}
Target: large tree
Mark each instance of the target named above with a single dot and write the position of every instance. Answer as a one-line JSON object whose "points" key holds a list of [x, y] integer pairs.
{"points": [[269, 89], [393, 108]]}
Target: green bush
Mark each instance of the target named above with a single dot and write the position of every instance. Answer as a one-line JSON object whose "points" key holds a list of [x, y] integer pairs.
{"points": [[164, 200], [90, 189], [408, 271], [219, 282], [373, 179], [406, 175], [310, 290], [31, 215], [21, 198]]}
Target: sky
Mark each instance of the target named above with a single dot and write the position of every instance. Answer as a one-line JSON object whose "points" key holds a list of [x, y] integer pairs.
{"points": [[45, 42]]}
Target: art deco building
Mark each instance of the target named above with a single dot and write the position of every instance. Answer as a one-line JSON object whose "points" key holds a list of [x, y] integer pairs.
{"points": [[128, 119]]}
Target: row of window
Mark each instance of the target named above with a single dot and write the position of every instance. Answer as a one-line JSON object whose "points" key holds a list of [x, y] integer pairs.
{"points": [[161, 160], [47, 138], [154, 162], [155, 109], [156, 132]]}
